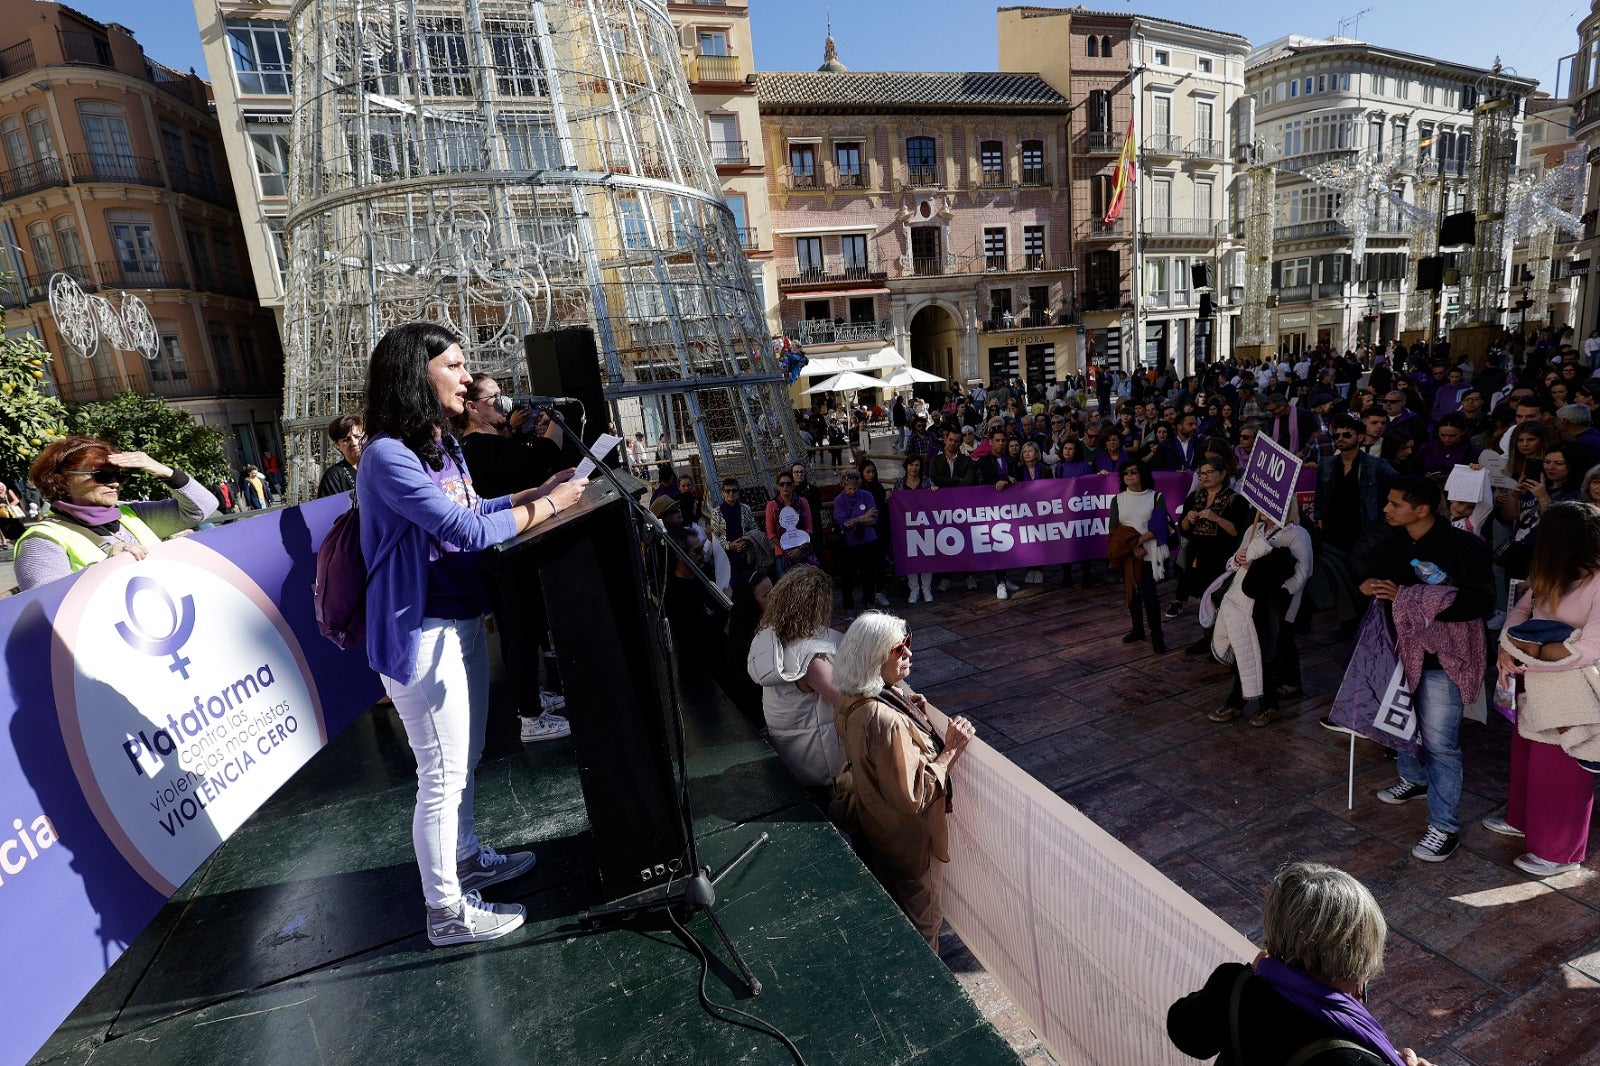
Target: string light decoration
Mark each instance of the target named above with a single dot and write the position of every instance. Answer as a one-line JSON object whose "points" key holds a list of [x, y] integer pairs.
{"points": [[501, 168], [1494, 147], [1255, 319], [86, 322], [1363, 181], [1424, 218]]}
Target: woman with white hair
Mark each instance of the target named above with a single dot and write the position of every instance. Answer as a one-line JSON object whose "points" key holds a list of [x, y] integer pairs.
{"points": [[1303, 999], [899, 768]]}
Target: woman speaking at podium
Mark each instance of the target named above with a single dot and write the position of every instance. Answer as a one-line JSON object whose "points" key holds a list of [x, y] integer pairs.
{"points": [[423, 528]]}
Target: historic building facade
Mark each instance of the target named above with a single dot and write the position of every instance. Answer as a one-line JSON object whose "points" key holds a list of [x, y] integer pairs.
{"points": [[113, 175], [1324, 100], [928, 211]]}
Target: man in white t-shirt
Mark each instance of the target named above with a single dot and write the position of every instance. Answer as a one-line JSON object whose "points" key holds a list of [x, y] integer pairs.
{"points": [[1591, 348]]}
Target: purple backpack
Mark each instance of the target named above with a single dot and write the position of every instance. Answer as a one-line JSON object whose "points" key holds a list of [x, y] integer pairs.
{"points": [[340, 592]]}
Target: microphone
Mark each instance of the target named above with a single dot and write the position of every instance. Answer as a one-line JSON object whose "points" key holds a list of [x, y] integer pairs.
{"points": [[547, 401]]}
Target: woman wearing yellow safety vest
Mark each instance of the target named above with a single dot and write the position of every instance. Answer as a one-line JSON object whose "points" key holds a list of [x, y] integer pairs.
{"points": [[86, 524]]}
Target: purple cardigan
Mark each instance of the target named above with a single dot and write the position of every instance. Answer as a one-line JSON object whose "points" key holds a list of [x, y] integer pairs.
{"points": [[407, 525]]}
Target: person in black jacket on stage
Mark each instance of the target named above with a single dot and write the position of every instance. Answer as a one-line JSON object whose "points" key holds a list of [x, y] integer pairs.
{"points": [[1303, 1000]]}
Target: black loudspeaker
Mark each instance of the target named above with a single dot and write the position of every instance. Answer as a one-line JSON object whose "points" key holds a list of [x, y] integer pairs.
{"points": [[1200, 274], [1430, 273], [565, 362], [1206, 307], [1459, 228]]}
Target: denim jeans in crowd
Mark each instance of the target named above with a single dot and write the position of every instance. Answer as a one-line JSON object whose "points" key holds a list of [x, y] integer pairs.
{"points": [[1438, 703], [444, 713]]}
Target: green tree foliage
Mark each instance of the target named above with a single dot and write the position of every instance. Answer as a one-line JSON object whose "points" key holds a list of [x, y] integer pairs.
{"points": [[29, 418], [169, 435]]}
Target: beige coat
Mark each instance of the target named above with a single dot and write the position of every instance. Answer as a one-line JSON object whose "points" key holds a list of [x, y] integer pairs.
{"points": [[902, 794]]}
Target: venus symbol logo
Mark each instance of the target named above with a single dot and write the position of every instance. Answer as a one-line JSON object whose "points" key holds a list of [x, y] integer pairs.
{"points": [[180, 617]]}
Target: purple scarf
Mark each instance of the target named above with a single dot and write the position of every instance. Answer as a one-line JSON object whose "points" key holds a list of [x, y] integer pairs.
{"points": [[90, 514], [1328, 1005]]}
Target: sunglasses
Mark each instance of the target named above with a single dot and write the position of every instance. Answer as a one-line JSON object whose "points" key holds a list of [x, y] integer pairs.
{"points": [[786, 484], [106, 475], [1344, 434], [902, 649]]}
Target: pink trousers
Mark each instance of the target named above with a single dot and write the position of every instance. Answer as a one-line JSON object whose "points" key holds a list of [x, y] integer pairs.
{"points": [[1551, 800]]}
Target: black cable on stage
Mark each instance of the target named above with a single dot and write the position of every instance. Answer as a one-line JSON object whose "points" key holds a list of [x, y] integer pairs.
{"points": [[750, 1021]]}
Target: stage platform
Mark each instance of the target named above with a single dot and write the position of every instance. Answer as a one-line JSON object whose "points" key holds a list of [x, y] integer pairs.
{"points": [[300, 940]]}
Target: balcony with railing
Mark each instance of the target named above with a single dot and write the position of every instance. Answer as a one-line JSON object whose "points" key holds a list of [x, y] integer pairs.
{"points": [[720, 69], [1330, 290], [30, 177], [1108, 231], [17, 59], [827, 331], [89, 49], [115, 169], [1161, 226], [1296, 231], [1294, 293], [1104, 142], [1165, 145], [169, 81], [802, 179], [992, 179], [1306, 160], [747, 237], [1026, 320], [142, 274], [1015, 263], [807, 273], [199, 185], [922, 176], [1389, 227], [1035, 176], [1205, 148], [1102, 299], [730, 154], [850, 179], [224, 282]]}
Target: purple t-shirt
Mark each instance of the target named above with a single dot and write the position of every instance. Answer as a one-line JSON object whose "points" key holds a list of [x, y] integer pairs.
{"points": [[847, 506]]}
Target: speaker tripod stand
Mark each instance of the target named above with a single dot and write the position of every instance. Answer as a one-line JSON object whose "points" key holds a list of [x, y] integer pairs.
{"points": [[695, 893]]}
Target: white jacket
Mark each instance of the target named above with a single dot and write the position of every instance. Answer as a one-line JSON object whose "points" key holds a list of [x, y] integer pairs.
{"points": [[799, 724]]}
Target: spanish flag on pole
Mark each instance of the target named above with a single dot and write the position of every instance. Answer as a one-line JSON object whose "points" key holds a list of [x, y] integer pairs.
{"points": [[1127, 174]]}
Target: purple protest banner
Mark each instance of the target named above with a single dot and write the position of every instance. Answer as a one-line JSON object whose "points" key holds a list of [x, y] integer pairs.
{"points": [[150, 707], [1373, 698], [1023, 526], [1269, 478]]}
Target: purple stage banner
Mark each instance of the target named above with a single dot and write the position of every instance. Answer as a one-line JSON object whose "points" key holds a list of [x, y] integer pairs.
{"points": [[151, 706], [1024, 526]]}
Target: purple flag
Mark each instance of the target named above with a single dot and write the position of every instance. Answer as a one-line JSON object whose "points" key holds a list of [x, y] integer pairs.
{"points": [[1373, 698]]}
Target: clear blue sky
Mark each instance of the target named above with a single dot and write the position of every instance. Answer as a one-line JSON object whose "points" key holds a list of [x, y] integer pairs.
{"points": [[960, 34]]}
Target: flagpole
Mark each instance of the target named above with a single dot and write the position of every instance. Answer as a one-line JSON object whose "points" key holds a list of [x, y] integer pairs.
{"points": [[1137, 59]]}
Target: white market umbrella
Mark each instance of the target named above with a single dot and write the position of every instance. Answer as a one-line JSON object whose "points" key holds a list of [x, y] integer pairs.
{"points": [[846, 382], [908, 376]]}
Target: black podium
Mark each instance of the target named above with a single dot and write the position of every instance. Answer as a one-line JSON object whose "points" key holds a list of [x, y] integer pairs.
{"points": [[611, 644]]}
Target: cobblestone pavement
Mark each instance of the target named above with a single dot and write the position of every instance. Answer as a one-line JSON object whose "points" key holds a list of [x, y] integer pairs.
{"points": [[1485, 966]]}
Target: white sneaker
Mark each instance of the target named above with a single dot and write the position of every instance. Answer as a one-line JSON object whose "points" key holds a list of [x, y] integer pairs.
{"points": [[1012, 585], [472, 921], [927, 595], [1001, 592], [545, 727], [551, 701], [913, 597], [972, 583], [881, 600], [1035, 577]]}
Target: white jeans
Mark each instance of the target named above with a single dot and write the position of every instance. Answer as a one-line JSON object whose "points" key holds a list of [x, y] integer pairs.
{"points": [[444, 714]]}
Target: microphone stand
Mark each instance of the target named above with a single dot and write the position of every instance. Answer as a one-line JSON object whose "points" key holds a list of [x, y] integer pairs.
{"points": [[697, 892]]}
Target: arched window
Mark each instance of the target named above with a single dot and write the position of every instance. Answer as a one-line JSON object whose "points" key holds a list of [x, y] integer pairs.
{"points": [[1105, 47], [1033, 162], [921, 161], [1094, 46]]}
